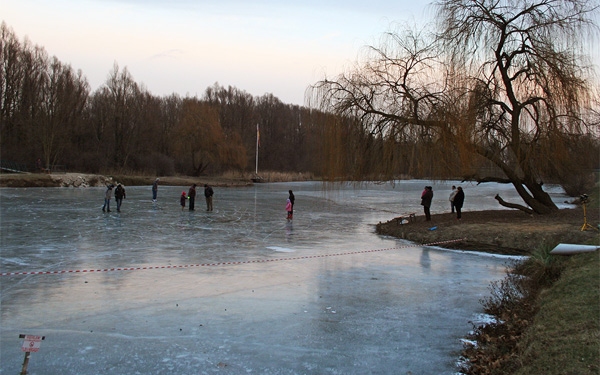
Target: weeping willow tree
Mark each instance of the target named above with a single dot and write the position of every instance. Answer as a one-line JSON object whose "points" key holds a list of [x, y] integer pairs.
{"points": [[502, 82]]}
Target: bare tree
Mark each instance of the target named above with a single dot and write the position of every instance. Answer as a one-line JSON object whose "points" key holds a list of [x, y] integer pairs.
{"points": [[198, 137], [505, 80], [63, 98]]}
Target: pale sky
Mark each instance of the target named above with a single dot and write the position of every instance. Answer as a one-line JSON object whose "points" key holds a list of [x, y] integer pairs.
{"points": [[184, 46]]}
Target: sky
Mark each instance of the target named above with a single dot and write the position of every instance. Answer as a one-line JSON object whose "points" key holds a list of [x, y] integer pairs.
{"points": [[277, 47]]}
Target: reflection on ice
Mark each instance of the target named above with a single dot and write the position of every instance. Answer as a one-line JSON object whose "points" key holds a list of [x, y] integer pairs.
{"points": [[398, 310]]}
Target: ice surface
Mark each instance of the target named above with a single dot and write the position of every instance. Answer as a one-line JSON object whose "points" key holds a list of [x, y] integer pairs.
{"points": [[254, 295]]}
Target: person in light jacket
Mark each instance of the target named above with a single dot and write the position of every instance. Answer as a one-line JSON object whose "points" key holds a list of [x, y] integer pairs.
{"points": [[107, 196], [451, 199]]}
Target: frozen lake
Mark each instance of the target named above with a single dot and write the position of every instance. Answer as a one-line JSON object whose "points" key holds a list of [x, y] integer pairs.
{"points": [[236, 290]]}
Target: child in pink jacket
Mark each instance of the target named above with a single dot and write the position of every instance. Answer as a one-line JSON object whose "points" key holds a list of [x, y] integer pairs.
{"points": [[182, 200], [288, 208]]}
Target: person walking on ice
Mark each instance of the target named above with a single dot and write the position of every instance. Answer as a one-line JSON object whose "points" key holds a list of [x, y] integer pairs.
{"points": [[107, 196], [119, 196]]}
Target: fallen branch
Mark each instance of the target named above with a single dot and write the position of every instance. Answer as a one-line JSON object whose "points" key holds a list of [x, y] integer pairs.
{"points": [[513, 205]]}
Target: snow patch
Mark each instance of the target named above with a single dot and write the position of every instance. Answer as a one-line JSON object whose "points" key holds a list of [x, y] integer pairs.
{"points": [[280, 249]]}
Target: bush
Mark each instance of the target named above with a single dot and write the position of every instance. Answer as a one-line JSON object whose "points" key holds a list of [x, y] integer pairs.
{"points": [[513, 302]]}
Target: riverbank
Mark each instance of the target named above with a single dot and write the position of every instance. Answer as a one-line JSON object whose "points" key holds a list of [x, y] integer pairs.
{"points": [[509, 232], [82, 180]]}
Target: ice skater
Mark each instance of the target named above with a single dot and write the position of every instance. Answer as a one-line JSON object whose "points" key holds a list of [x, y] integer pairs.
{"points": [[107, 196]]}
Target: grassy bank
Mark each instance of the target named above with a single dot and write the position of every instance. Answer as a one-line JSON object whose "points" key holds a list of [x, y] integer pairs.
{"points": [[564, 335], [548, 311]]}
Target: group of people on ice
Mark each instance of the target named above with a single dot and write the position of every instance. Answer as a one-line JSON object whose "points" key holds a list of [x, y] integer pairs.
{"points": [[191, 197], [457, 198], [120, 195]]}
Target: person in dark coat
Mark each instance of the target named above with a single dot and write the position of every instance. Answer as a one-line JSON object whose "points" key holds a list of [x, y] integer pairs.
{"points": [[192, 196], [459, 199], [155, 190], [208, 194], [119, 196], [426, 198]]}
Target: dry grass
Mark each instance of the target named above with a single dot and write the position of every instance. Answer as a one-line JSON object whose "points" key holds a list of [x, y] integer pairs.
{"points": [[273, 176]]}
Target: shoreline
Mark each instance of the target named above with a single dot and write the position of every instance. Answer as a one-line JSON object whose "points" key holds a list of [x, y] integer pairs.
{"points": [[84, 180]]}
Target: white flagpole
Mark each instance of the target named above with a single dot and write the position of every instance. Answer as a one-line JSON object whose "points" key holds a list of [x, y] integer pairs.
{"points": [[257, 142]]}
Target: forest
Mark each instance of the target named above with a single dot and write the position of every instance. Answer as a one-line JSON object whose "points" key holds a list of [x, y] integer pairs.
{"points": [[49, 112]]}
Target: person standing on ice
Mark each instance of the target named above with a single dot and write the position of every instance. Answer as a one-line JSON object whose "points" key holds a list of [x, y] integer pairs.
{"points": [[155, 190], [208, 194], [107, 196], [119, 196], [292, 199], [182, 200], [192, 196], [289, 209]]}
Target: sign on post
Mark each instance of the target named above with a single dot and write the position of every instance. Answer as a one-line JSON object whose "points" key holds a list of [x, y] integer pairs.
{"points": [[31, 344]]}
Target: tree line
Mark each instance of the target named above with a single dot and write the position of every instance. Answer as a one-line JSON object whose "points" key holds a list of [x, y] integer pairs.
{"points": [[48, 111]]}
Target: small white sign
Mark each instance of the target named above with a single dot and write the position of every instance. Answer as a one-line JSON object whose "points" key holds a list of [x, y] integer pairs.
{"points": [[32, 343]]}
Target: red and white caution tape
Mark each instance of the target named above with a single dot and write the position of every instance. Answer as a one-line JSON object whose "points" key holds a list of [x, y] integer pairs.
{"points": [[220, 263]]}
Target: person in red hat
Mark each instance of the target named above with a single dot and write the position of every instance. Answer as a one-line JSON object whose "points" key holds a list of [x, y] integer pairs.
{"points": [[182, 200]]}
